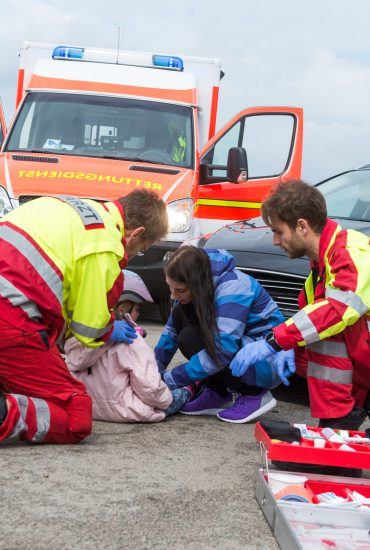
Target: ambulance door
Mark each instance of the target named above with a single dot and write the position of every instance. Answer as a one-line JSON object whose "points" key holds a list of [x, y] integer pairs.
{"points": [[2, 125], [272, 139]]}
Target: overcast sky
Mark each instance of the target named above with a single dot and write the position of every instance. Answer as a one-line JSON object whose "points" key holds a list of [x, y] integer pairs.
{"points": [[313, 54]]}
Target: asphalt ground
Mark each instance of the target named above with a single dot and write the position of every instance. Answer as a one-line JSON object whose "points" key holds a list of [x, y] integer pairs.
{"points": [[187, 482]]}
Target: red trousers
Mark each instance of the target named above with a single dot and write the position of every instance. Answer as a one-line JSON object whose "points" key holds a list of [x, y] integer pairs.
{"points": [[337, 372], [45, 403]]}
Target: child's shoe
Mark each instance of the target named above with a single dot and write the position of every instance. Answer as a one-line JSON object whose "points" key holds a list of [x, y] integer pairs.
{"points": [[207, 402], [248, 407]]}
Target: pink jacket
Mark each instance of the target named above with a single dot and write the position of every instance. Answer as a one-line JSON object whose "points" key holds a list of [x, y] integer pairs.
{"points": [[124, 383]]}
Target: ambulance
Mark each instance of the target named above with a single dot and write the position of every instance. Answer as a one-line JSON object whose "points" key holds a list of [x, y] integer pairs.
{"points": [[98, 123]]}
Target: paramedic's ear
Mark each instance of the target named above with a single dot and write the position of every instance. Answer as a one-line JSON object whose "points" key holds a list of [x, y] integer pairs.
{"points": [[134, 234]]}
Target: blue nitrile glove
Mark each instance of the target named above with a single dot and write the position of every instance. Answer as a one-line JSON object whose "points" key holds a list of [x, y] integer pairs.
{"points": [[249, 355], [123, 332], [284, 364]]}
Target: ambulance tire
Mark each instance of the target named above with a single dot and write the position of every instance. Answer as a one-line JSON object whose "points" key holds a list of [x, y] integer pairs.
{"points": [[165, 306]]}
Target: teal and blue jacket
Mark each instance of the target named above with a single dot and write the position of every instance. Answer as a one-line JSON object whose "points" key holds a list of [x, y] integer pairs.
{"points": [[244, 311]]}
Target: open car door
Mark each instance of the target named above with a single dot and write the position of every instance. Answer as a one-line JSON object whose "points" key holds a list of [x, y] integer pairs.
{"points": [[2, 125], [272, 138]]}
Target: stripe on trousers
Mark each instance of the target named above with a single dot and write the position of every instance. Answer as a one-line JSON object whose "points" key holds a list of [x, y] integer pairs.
{"points": [[42, 417], [330, 374]]}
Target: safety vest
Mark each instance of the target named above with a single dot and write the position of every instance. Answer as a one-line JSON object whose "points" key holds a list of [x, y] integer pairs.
{"points": [[179, 149], [337, 291], [335, 300], [60, 263]]}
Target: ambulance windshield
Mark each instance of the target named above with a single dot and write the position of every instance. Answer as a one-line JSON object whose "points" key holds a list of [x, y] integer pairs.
{"points": [[107, 127]]}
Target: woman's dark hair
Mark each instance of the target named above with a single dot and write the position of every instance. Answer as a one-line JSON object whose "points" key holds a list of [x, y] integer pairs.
{"points": [[191, 266]]}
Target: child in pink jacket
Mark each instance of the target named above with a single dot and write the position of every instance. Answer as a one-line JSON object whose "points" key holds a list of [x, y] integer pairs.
{"points": [[123, 379]]}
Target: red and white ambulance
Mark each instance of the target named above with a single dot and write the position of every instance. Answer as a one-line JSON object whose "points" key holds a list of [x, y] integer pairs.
{"points": [[98, 123]]}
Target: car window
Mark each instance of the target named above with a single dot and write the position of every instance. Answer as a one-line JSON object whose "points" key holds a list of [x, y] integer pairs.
{"points": [[348, 195]]}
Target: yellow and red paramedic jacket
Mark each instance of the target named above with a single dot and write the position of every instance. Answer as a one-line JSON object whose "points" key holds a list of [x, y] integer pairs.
{"points": [[61, 263], [335, 299]]}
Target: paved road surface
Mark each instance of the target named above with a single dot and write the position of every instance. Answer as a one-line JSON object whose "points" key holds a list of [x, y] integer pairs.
{"points": [[186, 483]]}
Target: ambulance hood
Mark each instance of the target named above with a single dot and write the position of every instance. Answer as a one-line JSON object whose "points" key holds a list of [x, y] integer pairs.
{"points": [[29, 175]]}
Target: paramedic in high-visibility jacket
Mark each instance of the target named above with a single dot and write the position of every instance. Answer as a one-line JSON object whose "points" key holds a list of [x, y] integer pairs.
{"points": [[331, 331], [61, 263]]}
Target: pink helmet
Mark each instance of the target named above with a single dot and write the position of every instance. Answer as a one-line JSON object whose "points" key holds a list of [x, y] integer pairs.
{"points": [[134, 288]]}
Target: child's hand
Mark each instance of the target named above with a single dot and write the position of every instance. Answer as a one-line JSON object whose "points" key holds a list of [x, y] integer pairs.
{"points": [[123, 332]]}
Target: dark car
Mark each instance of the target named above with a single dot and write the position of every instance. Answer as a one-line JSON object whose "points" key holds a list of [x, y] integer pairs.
{"points": [[348, 202]]}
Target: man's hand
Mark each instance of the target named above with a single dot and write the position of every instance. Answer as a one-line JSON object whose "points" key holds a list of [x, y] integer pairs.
{"points": [[123, 332], [284, 364], [249, 355]]}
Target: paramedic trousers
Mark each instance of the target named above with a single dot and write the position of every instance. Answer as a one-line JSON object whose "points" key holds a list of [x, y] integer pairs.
{"points": [[338, 371], [45, 403], [190, 342]]}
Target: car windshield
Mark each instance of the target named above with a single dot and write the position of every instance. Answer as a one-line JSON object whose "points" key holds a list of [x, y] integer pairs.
{"points": [[108, 127], [348, 195]]}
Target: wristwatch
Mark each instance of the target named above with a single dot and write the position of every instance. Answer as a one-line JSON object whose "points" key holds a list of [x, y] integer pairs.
{"points": [[270, 339]]}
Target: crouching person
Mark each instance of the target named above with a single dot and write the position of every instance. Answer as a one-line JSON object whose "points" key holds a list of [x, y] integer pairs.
{"points": [[123, 378], [55, 253], [217, 310]]}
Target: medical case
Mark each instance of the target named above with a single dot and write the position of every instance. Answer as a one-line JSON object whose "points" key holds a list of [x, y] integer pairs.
{"points": [[304, 520]]}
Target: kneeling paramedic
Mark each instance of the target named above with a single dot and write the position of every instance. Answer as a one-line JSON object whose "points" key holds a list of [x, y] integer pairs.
{"points": [[331, 331], [61, 263]]}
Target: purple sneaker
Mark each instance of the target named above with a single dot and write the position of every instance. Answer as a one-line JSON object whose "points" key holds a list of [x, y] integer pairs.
{"points": [[248, 407], [207, 402]]}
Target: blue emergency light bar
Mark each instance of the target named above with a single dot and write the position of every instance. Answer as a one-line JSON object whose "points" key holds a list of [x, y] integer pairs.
{"points": [[168, 62], [65, 52]]}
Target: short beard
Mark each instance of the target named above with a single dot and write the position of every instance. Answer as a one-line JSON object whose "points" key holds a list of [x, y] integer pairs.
{"points": [[297, 252]]}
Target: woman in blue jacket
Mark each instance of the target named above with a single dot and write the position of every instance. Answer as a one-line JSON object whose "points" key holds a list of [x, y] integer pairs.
{"points": [[218, 309]]}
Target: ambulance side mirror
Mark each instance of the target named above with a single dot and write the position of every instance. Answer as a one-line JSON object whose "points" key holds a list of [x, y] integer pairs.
{"points": [[237, 165]]}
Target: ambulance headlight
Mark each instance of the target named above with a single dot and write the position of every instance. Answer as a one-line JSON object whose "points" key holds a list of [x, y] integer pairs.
{"points": [[5, 204], [180, 215]]}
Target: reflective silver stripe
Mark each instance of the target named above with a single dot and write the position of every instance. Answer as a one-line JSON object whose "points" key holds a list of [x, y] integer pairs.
{"points": [[26, 248], [21, 425], [368, 326], [337, 376], [42, 418], [330, 348], [87, 213], [306, 327], [347, 297], [89, 332], [18, 299]]}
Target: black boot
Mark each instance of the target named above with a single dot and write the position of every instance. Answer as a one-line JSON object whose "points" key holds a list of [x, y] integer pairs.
{"points": [[352, 421], [367, 404], [3, 408]]}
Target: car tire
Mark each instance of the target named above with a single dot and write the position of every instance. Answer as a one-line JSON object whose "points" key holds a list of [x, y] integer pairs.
{"points": [[165, 306]]}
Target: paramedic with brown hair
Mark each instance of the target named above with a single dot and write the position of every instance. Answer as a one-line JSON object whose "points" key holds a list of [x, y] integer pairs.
{"points": [[61, 263], [331, 330]]}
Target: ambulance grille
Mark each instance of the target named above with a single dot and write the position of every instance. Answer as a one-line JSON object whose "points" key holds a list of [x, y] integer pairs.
{"points": [[282, 287], [26, 158], [154, 170]]}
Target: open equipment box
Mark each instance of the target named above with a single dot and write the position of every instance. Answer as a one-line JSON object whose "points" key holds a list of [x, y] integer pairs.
{"points": [[313, 523]]}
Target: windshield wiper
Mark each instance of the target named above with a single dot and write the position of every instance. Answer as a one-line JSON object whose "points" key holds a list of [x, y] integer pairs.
{"points": [[132, 159]]}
